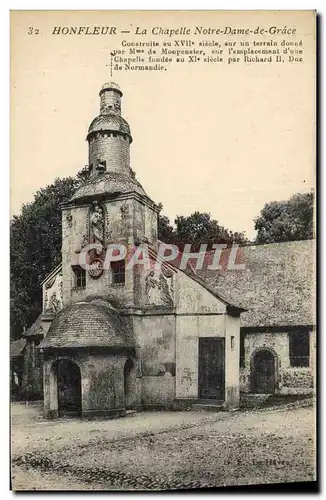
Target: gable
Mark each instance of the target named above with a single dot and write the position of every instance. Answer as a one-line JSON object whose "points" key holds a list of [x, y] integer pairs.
{"points": [[193, 298], [52, 292]]}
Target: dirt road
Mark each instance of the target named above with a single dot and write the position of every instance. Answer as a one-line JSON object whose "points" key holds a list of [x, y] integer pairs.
{"points": [[162, 450]]}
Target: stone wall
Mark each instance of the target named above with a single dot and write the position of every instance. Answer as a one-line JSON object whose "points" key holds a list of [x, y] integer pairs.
{"points": [[289, 380], [32, 380], [114, 150], [118, 230], [193, 298], [53, 294], [232, 356], [102, 384], [155, 334], [297, 381], [145, 222], [158, 392], [200, 315], [188, 330]]}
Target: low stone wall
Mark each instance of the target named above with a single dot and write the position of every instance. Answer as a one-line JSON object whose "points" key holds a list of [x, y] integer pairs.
{"points": [[291, 381], [297, 381]]}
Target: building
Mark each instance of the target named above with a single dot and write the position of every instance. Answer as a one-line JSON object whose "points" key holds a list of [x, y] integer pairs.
{"points": [[124, 336], [128, 336], [278, 334]]}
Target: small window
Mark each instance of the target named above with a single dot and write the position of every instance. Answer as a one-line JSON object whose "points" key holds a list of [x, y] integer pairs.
{"points": [[299, 349], [118, 272], [242, 350], [232, 343], [80, 277]]}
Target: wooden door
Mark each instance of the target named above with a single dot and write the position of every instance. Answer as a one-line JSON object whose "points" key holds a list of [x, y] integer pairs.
{"points": [[211, 379], [263, 373]]}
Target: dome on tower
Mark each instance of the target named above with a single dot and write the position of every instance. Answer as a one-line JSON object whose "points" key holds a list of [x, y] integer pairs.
{"points": [[111, 183], [110, 122]]}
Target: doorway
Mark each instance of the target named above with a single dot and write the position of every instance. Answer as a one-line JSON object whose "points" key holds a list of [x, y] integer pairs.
{"points": [[211, 368], [263, 372], [69, 388]]}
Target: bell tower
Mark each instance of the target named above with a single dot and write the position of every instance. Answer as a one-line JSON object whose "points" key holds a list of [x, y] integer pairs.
{"points": [[109, 208], [109, 136]]}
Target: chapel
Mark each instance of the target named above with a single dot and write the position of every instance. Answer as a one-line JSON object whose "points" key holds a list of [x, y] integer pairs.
{"points": [[119, 338], [125, 337]]}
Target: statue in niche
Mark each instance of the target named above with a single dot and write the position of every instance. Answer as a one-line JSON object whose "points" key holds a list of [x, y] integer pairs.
{"points": [[165, 292], [53, 304], [152, 292], [97, 224], [157, 290]]}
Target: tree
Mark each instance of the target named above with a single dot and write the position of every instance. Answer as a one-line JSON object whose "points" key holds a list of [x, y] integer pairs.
{"points": [[289, 220], [166, 232], [35, 249], [196, 229]]}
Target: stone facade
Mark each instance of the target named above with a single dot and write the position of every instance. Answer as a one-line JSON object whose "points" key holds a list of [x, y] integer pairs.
{"points": [[288, 379], [127, 338], [137, 337]]}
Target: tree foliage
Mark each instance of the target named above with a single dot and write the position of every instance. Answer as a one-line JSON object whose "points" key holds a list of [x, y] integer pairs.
{"points": [[35, 249], [196, 229], [289, 220]]}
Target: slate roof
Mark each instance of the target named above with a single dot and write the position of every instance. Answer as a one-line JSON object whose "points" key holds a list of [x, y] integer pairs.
{"points": [[189, 270], [277, 286], [17, 347], [36, 328], [89, 324], [112, 183]]}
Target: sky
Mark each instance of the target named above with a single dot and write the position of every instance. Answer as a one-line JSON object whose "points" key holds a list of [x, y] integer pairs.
{"points": [[224, 139]]}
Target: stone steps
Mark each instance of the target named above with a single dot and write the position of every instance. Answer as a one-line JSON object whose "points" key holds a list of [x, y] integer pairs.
{"points": [[254, 400], [208, 405]]}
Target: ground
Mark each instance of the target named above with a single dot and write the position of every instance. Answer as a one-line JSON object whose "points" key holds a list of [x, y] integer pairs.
{"points": [[162, 450]]}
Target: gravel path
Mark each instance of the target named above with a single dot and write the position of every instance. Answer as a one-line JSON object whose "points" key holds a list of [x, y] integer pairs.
{"points": [[162, 450]]}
